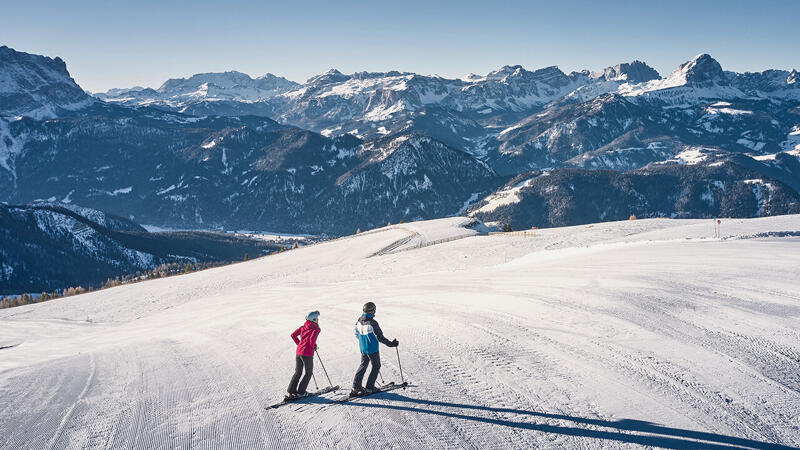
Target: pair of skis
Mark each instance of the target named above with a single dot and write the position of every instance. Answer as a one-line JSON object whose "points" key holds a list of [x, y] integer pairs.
{"points": [[348, 397], [297, 399], [317, 393], [385, 388]]}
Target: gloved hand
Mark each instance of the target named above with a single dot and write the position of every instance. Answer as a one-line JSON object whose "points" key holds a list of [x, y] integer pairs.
{"points": [[316, 347], [394, 343]]}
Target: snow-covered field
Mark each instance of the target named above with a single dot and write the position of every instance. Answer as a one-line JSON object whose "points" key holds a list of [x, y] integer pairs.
{"points": [[645, 332]]}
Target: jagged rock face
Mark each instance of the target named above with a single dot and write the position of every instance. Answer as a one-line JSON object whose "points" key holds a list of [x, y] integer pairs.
{"points": [[36, 86], [702, 71], [634, 72]]}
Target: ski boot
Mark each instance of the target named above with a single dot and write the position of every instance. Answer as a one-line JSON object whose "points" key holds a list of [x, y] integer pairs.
{"points": [[357, 391]]}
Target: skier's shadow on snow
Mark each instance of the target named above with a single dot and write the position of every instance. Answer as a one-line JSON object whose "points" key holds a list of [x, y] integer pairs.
{"points": [[657, 435]]}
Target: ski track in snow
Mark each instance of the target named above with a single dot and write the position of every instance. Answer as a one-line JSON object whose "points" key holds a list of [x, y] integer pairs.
{"points": [[620, 335]]}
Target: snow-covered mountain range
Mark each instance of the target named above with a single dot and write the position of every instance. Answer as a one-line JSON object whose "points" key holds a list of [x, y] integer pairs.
{"points": [[341, 152], [481, 113], [229, 93]]}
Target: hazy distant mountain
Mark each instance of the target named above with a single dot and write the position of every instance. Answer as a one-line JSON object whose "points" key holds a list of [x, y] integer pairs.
{"points": [[228, 93]]}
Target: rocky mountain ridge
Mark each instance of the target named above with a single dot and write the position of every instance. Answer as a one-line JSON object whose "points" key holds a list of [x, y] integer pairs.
{"points": [[37, 86]]}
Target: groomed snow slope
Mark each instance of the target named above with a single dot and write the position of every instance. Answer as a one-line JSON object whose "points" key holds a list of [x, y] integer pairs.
{"points": [[622, 334]]}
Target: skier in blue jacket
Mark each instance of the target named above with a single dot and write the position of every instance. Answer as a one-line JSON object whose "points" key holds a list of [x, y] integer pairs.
{"points": [[369, 333]]}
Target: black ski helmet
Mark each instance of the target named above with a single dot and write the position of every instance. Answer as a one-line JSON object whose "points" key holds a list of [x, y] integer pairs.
{"points": [[369, 307]]}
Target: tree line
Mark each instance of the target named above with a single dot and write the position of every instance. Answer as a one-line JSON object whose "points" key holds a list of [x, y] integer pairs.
{"points": [[160, 271]]}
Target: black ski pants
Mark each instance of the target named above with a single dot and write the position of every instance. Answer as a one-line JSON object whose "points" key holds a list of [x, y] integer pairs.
{"points": [[301, 362], [375, 359]]}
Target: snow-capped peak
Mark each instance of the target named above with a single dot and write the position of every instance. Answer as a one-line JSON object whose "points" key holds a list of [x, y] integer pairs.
{"points": [[223, 80], [701, 77], [701, 71], [504, 72], [633, 72], [331, 76]]}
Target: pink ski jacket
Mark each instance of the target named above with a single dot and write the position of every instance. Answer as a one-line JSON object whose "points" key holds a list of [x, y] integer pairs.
{"points": [[307, 341]]}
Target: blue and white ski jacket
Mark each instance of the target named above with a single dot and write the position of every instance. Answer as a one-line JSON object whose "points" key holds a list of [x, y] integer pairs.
{"points": [[369, 333]]}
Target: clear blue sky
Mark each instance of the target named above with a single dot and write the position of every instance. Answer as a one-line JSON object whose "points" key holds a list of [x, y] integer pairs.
{"points": [[119, 44]]}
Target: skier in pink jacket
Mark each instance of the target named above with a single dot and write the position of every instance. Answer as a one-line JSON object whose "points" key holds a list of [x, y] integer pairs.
{"points": [[306, 339]]}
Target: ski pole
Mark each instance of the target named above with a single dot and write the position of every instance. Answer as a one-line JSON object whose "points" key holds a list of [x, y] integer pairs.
{"points": [[400, 365], [315, 380], [323, 369], [382, 382]]}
